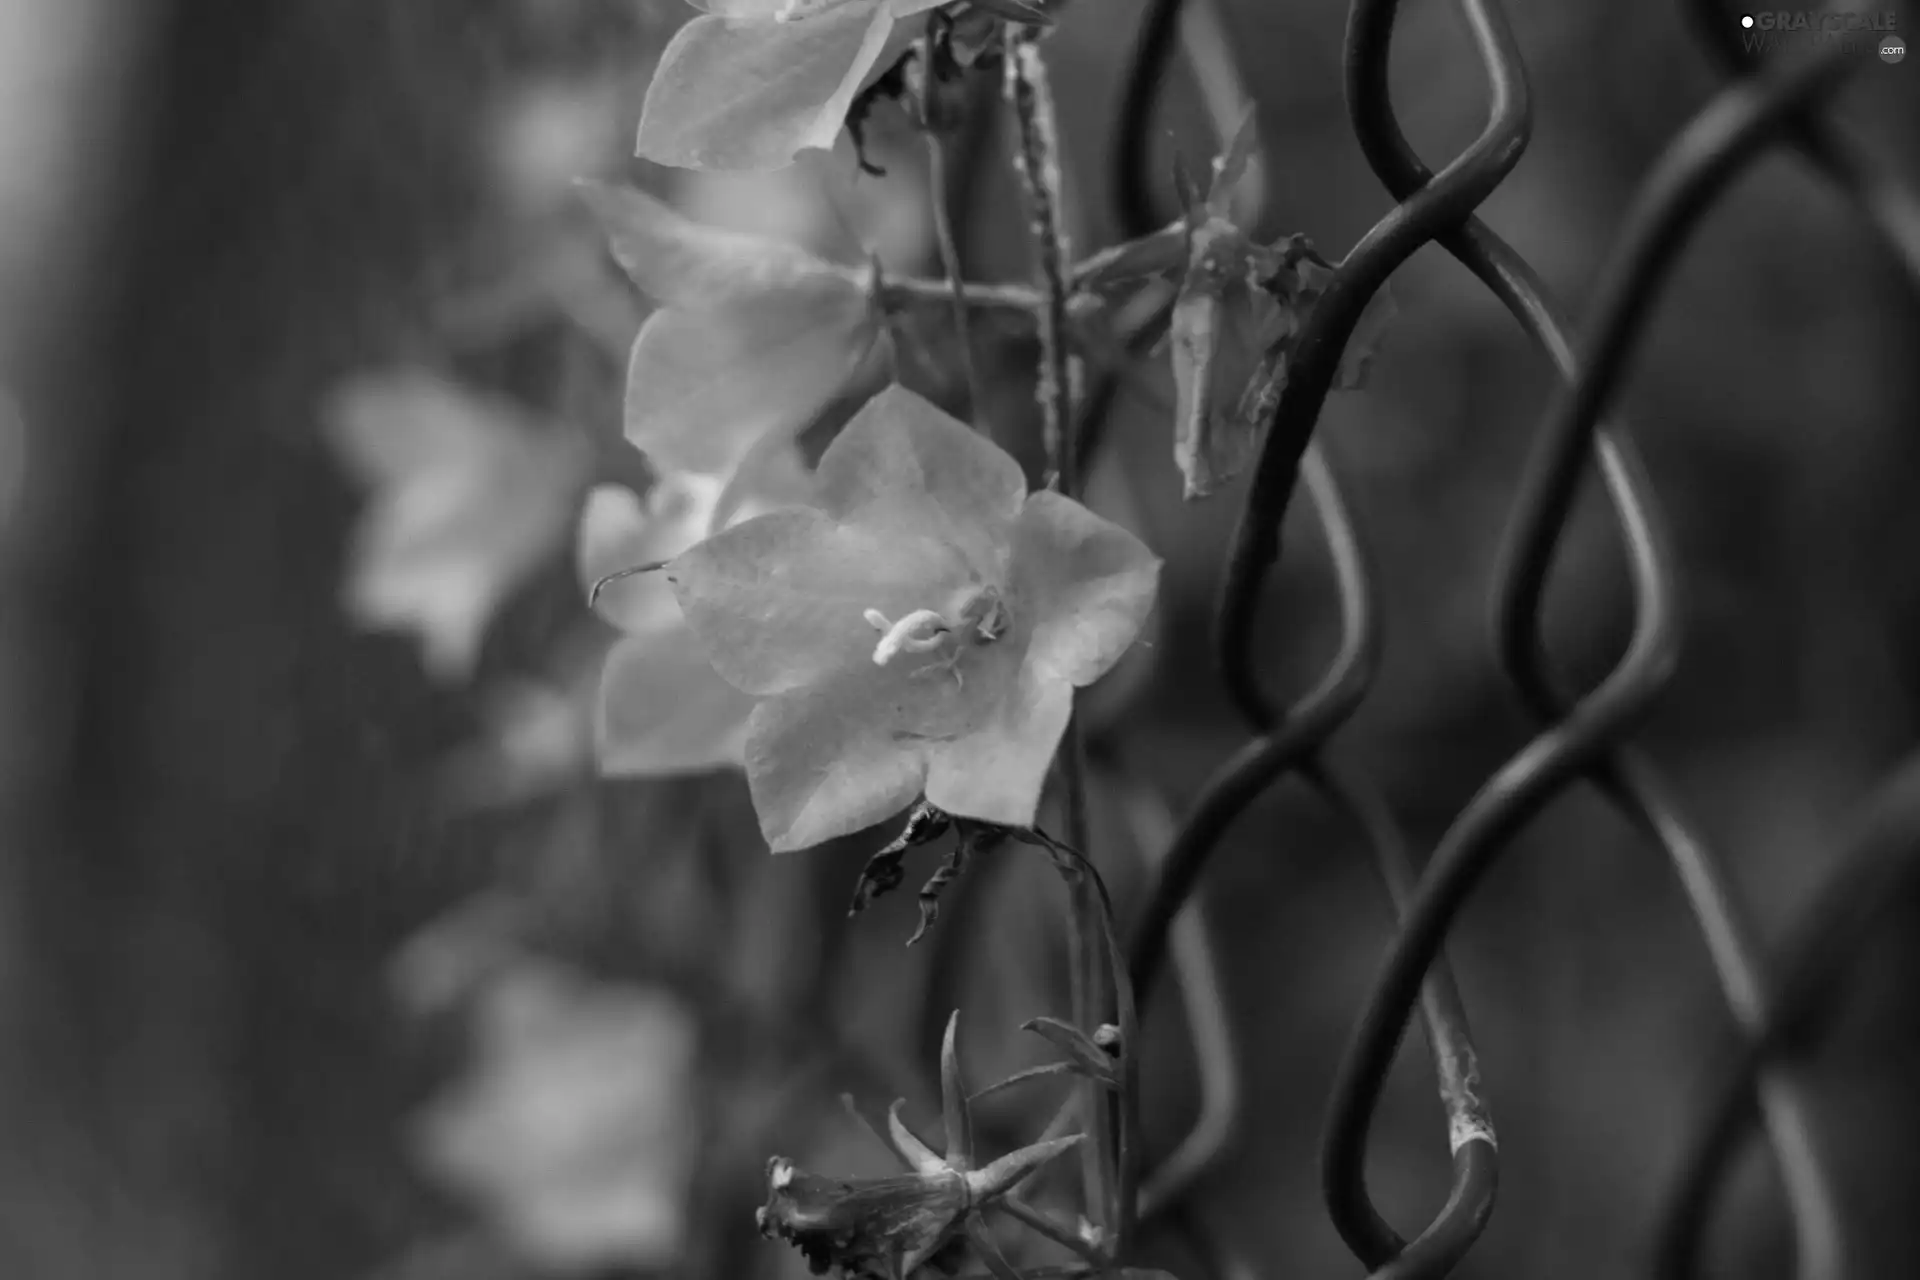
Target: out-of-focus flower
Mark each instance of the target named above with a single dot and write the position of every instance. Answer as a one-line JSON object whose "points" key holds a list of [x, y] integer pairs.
{"points": [[547, 132], [466, 499], [574, 1130]]}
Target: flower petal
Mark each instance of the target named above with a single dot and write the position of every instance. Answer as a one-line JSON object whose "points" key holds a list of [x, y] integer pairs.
{"points": [[779, 601], [996, 772], [704, 387], [1088, 584], [678, 262], [774, 474], [735, 93], [664, 710], [901, 460], [816, 773]]}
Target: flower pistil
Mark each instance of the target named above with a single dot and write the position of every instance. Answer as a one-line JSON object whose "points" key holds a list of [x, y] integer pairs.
{"points": [[976, 614]]}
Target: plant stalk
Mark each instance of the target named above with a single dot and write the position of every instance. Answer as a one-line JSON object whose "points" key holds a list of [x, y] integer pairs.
{"points": [[1037, 160]]}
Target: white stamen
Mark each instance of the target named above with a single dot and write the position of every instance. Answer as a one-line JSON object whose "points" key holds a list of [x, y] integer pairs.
{"points": [[918, 632]]}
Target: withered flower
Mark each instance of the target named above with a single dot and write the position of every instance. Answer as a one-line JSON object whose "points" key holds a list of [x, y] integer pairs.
{"points": [[887, 1228]]}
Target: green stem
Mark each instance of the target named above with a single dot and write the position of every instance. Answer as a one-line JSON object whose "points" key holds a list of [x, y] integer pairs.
{"points": [[950, 262], [943, 222], [1037, 159], [900, 292]]}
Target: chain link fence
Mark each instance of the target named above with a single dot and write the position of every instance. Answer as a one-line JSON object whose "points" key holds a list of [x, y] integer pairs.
{"points": [[1584, 736]]}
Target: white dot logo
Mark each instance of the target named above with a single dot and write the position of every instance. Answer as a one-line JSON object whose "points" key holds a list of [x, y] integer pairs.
{"points": [[1747, 21], [1892, 48]]}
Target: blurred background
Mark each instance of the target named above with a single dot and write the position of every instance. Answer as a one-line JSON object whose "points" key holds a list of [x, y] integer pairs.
{"points": [[313, 964]]}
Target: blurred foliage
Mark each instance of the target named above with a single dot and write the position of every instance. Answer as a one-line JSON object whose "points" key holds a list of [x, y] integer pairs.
{"points": [[612, 1004]]}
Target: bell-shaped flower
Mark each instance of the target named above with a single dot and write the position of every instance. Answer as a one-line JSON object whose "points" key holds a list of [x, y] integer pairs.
{"points": [[921, 630], [752, 83]]}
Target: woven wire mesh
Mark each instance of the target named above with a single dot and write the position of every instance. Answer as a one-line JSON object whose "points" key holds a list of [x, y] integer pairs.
{"points": [[1583, 736]]}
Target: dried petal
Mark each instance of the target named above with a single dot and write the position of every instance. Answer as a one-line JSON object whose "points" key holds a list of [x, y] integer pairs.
{"points": [[871, 1228], [883, 871]]}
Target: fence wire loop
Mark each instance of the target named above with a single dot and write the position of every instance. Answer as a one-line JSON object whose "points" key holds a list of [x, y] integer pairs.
{"points": [[1580, 737]]}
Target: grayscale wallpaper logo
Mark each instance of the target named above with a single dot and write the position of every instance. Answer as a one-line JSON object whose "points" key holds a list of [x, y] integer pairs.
{"points": [[1859, 31]]}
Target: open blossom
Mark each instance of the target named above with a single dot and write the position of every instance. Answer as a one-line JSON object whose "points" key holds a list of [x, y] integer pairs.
{"points": [[921, 629]]}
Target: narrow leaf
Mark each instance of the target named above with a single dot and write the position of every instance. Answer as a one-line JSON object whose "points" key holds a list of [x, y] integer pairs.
{"points": [[1088, 1057], [918, 1154], [1192, 202], [1008, 1171], [953, 1100], [1161, 253], [1231, 164], [1021, 1077], [854, 1113]]}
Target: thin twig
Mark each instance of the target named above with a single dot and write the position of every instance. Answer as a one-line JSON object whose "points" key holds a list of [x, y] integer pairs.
{"points": [[900, 292], [1076, 867], [1037, 160], [1146, 812], [1021, 1077], [950, 262], [943, 221]]}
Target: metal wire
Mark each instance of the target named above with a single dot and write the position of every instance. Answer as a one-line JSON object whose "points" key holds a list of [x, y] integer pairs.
{"points": [[1879, 874], [1581, 737]]}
